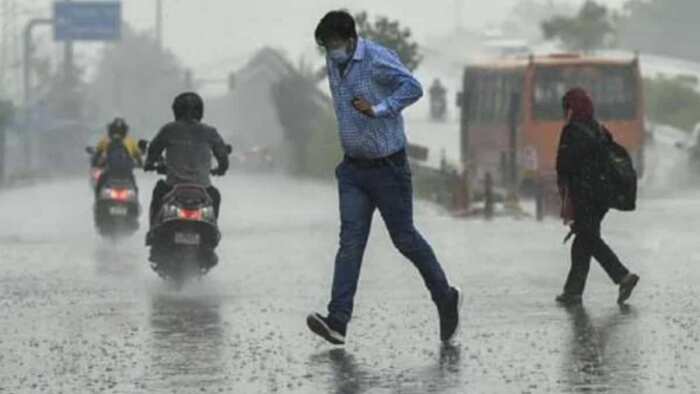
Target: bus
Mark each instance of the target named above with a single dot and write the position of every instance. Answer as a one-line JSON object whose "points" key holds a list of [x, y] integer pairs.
{"points": [[512, 116]]}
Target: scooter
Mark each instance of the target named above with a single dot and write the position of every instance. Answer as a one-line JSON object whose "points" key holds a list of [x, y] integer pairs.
{"points": [[116, 209], [184, 233]]}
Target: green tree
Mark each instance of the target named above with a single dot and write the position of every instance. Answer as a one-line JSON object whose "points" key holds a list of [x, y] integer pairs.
{"points": [[525, 17], [390, 34], [136, 79], [313, 146], [592, 28], [673, 101]]}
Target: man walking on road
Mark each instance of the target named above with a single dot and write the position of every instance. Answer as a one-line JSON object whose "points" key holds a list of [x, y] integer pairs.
{"points": [[370, 88]]}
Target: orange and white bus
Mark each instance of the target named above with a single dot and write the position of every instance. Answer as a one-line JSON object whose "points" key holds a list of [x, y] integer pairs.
{"points": [[512, 116]]}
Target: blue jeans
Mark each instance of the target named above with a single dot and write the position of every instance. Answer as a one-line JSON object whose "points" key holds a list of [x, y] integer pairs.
{"points": [[389, 189]]}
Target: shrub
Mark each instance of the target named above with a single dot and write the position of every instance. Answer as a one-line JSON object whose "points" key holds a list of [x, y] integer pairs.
{"points": [[673, 101]]}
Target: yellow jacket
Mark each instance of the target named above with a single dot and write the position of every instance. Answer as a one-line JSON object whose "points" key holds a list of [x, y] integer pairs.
{"points": [[129, 143]]}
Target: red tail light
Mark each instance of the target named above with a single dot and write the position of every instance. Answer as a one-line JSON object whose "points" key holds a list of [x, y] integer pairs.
{"points": [[188, 214], [120, 194]]}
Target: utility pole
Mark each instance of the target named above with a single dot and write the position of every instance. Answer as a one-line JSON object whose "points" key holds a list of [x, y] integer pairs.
{"points": [[8, 58], [512, 202], [15, 50], [458, 14], [6, 113], [28, 50], [28, 150], [5, 12], [189, 79], [159, 23]]}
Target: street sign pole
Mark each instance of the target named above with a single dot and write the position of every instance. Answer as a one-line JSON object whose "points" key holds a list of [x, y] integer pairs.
{"points": [[68, 59], [27, 69], [82, 21]]}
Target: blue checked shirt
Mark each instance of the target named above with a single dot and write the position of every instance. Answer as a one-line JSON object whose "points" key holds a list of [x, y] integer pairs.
{"points": [[376, 75]]}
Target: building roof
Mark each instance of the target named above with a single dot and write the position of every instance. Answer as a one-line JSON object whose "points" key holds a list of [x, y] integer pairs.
{"points": [[550, 60]]}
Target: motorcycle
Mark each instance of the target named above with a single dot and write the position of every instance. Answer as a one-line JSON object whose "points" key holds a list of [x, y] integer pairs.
{"points": [[116, 209], [184, 233]]}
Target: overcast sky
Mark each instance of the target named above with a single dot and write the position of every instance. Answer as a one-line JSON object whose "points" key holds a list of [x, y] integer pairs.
{"points": [[206, 33], [212, 35]]}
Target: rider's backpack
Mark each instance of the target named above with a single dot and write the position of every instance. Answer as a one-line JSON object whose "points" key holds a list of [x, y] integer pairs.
{"points": [[618, 178], [118, 158]]}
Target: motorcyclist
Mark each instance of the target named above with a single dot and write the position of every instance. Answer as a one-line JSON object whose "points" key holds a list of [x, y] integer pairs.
{"points": [[188, 144], [438, 100], [117, 153]]}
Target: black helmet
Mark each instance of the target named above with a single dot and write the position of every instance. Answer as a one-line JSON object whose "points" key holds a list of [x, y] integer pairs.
{"points": [[188, 106], [118, 128]]}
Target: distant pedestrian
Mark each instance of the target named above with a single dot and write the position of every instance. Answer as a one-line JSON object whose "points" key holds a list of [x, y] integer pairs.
{"points": [[438, 100], [370, 88], [579, 170]]}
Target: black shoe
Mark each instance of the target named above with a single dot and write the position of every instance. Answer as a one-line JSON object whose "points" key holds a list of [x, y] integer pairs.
{"points": [[569, 299], [449, 315], [326, 328], [626, 286]]}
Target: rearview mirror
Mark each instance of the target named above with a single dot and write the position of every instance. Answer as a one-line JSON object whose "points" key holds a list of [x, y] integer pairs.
{"points": [[229, 149], [90, 150]]}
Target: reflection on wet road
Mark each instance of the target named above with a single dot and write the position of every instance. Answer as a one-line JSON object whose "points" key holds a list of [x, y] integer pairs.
{"points": [[348, 376], [79, 314], [186, 342], [592, 359]]}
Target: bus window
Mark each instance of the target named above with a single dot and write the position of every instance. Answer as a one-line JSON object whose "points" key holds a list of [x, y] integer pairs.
{"points": [[613, 89], [490, 95]]}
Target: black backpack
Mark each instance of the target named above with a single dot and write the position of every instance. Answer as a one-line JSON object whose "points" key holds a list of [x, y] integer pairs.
{"points": [[618, 178], [118, 159]]}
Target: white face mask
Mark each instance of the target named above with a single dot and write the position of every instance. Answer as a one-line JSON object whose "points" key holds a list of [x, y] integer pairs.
{"points": [[339, 56]]}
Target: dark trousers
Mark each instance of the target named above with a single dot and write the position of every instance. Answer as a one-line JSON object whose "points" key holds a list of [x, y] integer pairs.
{"points": [[589, 243], [387, 188], [162, 188]]}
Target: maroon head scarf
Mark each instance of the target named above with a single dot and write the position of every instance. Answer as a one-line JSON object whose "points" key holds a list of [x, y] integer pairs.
{"points": [[580, 103]]}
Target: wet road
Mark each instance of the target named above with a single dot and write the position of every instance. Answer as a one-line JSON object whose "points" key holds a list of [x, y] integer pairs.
{"points": [[78, 314]]}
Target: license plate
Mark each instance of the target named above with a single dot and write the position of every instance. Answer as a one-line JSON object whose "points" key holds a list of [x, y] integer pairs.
{"points": [[187, 239], [118, 211]]}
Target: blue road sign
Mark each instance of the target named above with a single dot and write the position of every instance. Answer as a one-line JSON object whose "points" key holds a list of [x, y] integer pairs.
{"points": [[87, 21]]}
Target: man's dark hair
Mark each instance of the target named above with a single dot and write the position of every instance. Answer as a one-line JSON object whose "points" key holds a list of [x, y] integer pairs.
{"points": [[335, 24], [188, 106]]}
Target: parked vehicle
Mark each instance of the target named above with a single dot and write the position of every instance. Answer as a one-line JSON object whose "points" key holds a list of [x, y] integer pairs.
{"points": [[511, 117]]}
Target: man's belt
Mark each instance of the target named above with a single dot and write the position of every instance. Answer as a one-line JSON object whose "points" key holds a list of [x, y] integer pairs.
{"points": [[396, 159]]}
